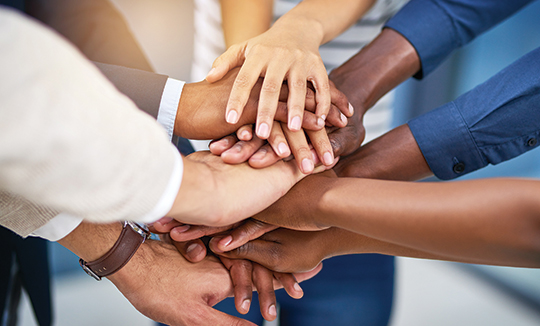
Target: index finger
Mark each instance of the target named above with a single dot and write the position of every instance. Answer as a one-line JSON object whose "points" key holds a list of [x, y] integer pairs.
{"points": [[245, 80]]}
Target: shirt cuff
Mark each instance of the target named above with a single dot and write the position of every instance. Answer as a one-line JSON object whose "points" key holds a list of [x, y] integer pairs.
{"points": [[446, 142], [58, 227], [168, 105], [168, 197], [429, 30]]}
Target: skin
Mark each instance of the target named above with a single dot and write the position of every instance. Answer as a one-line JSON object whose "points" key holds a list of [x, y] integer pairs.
{"points": [[215, 194], [299, 34], [154, 280], [201, 106], [375, 70]]}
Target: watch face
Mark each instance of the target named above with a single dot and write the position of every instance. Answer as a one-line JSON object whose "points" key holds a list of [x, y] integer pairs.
{"points": [[139, 228]]}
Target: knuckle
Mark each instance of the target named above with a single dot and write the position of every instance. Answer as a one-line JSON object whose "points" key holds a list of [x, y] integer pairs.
{"points": [[298, 84], [242, 81], [271, 87]]}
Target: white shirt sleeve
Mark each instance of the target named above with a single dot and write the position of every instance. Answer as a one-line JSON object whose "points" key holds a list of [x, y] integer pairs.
{"points": [[63, 224], [169, 104]]}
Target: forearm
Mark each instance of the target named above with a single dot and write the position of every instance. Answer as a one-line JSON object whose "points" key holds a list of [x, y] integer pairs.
{"points": [[379, 67], [340, 242], [244, 19], [323, 18], [491, 221], [393, 156]]}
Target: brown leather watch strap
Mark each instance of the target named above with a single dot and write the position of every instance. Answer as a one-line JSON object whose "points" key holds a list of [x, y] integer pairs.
{"points": [[128, 242]]}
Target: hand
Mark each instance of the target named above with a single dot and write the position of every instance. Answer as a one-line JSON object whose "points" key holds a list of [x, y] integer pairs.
{"points": [[202, 107], [158, 281], [296, 59], [216, 194], [244, 274], [259, 154], [299, 208], [284, 250]]}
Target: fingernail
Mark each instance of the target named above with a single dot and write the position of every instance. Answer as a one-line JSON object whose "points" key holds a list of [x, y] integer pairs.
{"points": [[183, 228], [343, 118], [314, 157], [283, 149], [320, 122], [272, 310], [237, 148], [297, 287], [225, 241], [244, 134], [232, 117], [328, 159], [245, 305], [261, 153], [296, 123], [307, 165], [193, 249], [263, 131], [211, 71], [351, 109], [165, 220]]}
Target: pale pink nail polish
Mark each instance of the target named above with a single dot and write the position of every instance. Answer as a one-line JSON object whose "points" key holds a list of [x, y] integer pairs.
{"points": [[307, 165], [232, 117], [263, 131], [328, 159], [282, 149], [296, 123]]}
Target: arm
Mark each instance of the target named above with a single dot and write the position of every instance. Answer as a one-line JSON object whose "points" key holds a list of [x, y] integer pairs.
{"points": [[490, 221], [161, 294], [244, 19], [437, 27]]}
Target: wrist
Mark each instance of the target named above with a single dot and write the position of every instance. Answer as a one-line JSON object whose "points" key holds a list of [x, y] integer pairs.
{"points": [[291, 23], [386, 62]]}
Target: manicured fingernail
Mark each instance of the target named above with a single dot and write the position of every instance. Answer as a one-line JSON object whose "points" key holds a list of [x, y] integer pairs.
{"points": [[320, 122], [272, 310], [225, 241], [297, 287], [183, 228], [283, 149], [351, 109], [343, 118], [232, 117], [307, 165], [261, 153], [211, 72], [328, 159], [193, 249], [296, 123], [314, 157], [245, 305], [263, 131]]}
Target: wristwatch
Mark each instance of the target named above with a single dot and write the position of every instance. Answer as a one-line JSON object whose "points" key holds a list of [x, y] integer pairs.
{"points": [[131, 238]]}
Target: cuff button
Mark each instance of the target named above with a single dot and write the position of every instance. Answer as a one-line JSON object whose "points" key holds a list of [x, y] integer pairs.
{"points": [[459, 167], [532, 142]]}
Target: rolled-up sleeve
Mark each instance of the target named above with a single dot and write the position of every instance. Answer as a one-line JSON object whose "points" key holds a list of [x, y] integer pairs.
{"points": [[437, 27], [496, 121]]}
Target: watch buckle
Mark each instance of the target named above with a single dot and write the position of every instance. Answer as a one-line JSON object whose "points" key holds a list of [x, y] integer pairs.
{"points": [[88, 270]]}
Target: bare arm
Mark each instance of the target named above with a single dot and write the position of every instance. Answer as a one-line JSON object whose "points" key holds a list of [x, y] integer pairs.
{"points": [[244, 19], [493, 221]]}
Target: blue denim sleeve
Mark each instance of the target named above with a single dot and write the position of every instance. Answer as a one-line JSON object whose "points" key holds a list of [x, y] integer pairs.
{"points": [[496, 121], [437, 27]]}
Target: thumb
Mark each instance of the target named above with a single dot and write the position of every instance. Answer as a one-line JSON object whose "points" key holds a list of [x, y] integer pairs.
{"points": [[233, 57]]}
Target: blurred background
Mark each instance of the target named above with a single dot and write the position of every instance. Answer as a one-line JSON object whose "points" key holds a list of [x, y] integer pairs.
{"points": [[427, 292]]}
